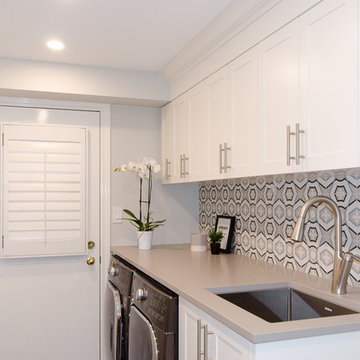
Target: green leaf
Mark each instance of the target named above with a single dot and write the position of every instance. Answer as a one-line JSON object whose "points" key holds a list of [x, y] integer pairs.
{"points": [[126, 211]]}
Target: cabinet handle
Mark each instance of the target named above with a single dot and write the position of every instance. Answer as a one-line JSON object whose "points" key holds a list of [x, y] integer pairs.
{"points": [[220, 159], [226, 149], [184, 161], [288, 134], [200, 327], [297, 139], [167, 168], [198, 340], [181, 166]]}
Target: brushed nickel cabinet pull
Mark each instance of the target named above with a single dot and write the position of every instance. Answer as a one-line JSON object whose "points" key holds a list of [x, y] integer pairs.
{"points": [[185, 158], [167, 168], [226, 149], [181, 166], [288, 156], [297, 139], [220, 159], [199, 352], [198, 340]]}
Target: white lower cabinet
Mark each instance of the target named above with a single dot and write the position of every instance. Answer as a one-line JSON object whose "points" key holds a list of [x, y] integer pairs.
{"points": [[203, 338]]}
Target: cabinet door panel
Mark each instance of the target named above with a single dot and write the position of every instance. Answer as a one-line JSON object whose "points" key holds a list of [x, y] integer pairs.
{"points": [[198, 133], [167, 143], [244, 113], [329, 77], [279, 97], [218, 121], [181, 131]]}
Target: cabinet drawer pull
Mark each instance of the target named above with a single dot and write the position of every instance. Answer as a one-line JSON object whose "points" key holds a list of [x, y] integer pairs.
{"points": [[288, 156], [297, 139]]}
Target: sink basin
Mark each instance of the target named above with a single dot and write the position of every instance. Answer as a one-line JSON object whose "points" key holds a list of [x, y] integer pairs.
{"points": [[284, 304]]}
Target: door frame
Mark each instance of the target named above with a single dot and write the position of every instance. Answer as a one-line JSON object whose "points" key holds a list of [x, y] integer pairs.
{"points": [[104, 177]]}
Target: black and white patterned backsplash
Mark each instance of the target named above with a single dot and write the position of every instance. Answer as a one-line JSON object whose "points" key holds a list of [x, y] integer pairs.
{"points": [[266, 209]]}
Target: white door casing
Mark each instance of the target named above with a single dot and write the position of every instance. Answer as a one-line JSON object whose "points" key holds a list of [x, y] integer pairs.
{"points": [[53, 304]]}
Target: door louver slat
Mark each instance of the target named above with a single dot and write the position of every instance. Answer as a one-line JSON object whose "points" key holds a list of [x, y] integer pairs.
{"points": [[44, 191]]}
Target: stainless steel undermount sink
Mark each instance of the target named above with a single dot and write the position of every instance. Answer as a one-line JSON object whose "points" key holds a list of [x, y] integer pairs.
{"points": [[283, 304]]}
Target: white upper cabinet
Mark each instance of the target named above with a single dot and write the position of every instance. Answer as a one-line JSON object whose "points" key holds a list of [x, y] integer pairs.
{"points": [[329, 79], [167, 143], [198, 122], [181, 138], [219, 140], [278, 99], [243, 113], [289, 104]]}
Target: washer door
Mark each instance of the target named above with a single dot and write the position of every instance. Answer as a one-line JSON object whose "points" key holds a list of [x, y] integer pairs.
{"points": [[142, 340], [115, 334]]}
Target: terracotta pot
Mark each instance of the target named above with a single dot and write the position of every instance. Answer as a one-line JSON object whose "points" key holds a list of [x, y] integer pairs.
{"points": [[215, 248]]}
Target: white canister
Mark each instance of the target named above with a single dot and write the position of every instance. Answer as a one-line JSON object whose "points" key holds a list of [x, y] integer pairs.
{"points": [[198, 242]]}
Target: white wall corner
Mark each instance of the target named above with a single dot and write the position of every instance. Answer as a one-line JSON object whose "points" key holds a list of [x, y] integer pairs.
{"points": [[24, 78]]}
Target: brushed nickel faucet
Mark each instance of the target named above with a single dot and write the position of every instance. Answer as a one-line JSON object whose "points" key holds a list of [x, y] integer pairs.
{"points": [[342, 262]]}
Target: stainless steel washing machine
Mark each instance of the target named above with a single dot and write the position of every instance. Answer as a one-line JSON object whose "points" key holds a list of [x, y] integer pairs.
{"points": [[118, 301], [153, 328]]}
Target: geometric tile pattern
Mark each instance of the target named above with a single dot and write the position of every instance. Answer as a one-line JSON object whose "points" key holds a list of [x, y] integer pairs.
{"points": [[266, 208]]}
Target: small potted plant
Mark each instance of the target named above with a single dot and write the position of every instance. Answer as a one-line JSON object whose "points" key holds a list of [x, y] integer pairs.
{"points": [[215, 240]]}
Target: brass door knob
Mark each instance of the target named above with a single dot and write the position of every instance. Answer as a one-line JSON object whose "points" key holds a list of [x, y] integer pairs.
{"points": [[90, 260], [91, 244]]}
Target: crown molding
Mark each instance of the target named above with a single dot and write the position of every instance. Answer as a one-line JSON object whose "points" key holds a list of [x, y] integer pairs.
{"points": [[241, 26], [232, 20]]}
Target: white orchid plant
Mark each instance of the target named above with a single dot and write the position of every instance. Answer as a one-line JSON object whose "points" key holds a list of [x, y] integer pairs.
{"points": [[144, 170]]}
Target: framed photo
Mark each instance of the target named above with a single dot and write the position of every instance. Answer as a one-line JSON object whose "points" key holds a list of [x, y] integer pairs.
{"points": [[226, 225]]}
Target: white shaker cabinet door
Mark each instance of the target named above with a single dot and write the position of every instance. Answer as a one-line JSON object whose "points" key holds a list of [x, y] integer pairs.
{"points": [[329, 77], [243, 82], [218, 125], [198, 133], [167, 143], [181, 138], [278, 99], [191, 340], [202, 337]]}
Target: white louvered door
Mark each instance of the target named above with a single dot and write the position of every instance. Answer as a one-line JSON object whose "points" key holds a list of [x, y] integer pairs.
{"points": [[44, 195], [50, 193]]}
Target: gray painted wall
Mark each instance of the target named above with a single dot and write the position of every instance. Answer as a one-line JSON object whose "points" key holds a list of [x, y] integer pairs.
{"points": [[135, 132]]}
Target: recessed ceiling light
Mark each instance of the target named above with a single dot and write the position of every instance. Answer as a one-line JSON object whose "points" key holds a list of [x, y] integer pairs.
{"points": [[55, 45]]}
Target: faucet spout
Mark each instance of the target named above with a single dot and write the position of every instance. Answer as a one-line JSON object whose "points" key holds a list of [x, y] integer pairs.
{"points": [[341, 265]]}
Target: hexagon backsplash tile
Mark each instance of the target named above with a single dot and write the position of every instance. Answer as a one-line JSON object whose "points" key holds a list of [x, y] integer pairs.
{"points": [[266, 209]]}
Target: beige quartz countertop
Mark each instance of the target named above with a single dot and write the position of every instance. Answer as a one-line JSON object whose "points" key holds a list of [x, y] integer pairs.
{"points": [[191, 274]]}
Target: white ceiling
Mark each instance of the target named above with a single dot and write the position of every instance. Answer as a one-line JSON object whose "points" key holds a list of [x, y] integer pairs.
{"points": [[126, 34]]}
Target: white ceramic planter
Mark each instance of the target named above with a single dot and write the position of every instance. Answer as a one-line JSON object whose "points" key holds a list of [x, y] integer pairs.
{"points": [[144, 239]]}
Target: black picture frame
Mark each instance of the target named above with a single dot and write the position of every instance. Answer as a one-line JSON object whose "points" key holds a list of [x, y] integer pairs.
{"points": [[226, 224]]}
